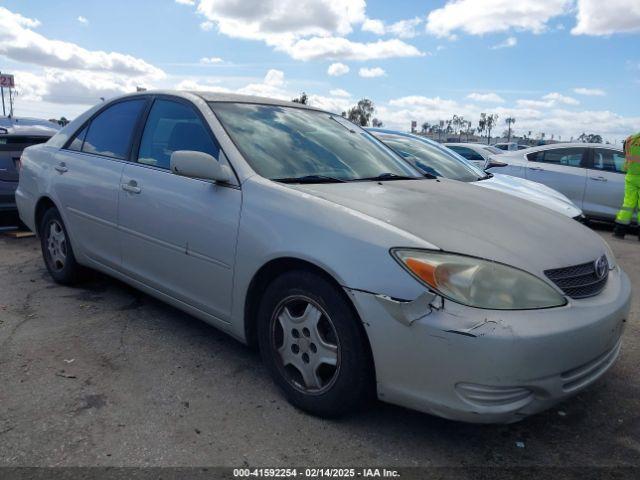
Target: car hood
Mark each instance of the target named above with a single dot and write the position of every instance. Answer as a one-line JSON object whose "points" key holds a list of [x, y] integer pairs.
{"points": [[532, 191], [461, 218]]}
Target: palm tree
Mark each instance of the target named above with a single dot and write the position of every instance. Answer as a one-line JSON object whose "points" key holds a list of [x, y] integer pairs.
{"points": [[491, 121], [509, 121]]}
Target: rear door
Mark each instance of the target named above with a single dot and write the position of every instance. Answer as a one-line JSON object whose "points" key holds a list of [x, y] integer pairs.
{"points": [[605, 183], [178, 234], [562, 169], [86, 180]]}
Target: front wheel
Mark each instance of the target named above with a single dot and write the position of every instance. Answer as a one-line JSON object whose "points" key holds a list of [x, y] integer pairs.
{"points": [[56, 249], [313, 345]]}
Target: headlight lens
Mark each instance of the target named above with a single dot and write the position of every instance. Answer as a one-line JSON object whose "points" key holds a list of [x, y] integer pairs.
{"points": [[479, 283]]}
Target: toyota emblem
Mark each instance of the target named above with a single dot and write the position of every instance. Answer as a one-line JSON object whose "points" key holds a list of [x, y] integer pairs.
{"points": [[601, 267]]}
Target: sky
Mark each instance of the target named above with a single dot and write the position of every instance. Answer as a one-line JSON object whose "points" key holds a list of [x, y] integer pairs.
{"points": [[559, 67]]}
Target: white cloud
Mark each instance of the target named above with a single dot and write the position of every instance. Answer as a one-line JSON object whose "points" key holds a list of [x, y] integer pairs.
{"points": [[337, 69], [478, 17], [20, 43], [398, 113], [186, 2], [549, 100], [339, 92], [274, 21], [210, 60], [372, 72], [508, 43], [373, 26], [596, 17], [338, 48], [275, 78], [486, 97], [304, 29], [71, 87], [590, 92], [558, 98], [401, 29], [83, 20], [207, 26]]}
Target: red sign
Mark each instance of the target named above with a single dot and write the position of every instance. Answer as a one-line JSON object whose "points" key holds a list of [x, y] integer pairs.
{"points": [[6, 81]]}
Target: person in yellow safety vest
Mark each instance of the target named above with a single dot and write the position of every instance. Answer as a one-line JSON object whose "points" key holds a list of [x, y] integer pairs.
{"points": [[631, 185]]}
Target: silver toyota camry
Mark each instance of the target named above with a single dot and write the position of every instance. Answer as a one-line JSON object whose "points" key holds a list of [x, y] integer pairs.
{"points": [[294, 230]]}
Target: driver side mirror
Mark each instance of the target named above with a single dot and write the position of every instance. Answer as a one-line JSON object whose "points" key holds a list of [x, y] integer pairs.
{"points": [[494, 164], [192, 164]]}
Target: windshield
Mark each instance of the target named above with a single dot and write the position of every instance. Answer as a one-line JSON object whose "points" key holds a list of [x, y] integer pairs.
{"points": [[288, 143], [433, 159], [494, 150]]}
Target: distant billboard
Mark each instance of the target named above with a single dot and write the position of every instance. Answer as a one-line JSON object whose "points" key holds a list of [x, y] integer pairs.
{"points": [[6, 81]]}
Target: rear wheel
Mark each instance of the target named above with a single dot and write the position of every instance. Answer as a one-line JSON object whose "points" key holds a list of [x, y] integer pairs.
{"points": [[56, 249], [313, 345]]}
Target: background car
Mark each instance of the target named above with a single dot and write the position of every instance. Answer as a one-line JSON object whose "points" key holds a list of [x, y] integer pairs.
{"points": [[16, 134], [589, 174], [432, 158], [510, 146], [477, 153]]}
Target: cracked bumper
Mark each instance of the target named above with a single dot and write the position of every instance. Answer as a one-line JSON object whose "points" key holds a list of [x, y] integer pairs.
{"points": [[488, 366]]}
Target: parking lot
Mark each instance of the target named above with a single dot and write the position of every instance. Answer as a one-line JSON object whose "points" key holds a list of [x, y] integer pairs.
{"points": [[104, 375]]}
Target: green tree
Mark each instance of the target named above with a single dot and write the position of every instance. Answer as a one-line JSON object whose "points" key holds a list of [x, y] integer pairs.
{"points": [[491, 121], [361, 113], [509, 121], [303, 99]]}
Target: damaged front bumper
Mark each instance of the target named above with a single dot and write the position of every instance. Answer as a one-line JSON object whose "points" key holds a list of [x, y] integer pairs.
{"points": [[489, 366]]}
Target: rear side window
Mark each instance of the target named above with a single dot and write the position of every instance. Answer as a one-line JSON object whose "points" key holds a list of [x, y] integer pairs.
{"points": [[569, 157], [110, 133], [173, 126], [608, 160], [78, 140]]}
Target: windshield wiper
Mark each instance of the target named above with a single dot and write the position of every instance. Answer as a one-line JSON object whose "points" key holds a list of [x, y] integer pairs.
{"points": [[486, 177], [309, 179], [393, 176]]}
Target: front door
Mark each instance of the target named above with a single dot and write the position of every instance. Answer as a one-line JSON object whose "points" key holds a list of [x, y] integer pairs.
{"points": [[605, 184], [178, 234], [561, 169]]}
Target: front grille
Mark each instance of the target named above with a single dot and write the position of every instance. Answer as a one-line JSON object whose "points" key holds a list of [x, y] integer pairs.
{"points": [[580, 281]]}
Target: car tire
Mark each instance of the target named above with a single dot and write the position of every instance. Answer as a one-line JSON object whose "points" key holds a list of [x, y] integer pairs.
{"points": [[56, 249], [321, 328]]}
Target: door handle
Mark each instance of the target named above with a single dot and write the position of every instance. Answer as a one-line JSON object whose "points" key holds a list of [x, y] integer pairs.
{"points": [[537, 169], [598, 179], [131, 187], [61, 167]]}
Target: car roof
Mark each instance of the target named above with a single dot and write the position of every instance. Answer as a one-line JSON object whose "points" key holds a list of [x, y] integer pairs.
{"points": [[221, 97], [401, 134], [467, 144], [35, 127], [552, 146]]}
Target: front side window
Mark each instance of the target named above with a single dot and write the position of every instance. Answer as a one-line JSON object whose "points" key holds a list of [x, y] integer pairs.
{"points": [[467, 153], [433, 159], [110, 132], [569, 157], [282, 143], [173, 126], [608, 160]]}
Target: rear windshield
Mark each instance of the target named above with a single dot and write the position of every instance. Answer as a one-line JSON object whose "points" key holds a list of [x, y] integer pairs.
{"points": [[19, 142], [287, 142]]}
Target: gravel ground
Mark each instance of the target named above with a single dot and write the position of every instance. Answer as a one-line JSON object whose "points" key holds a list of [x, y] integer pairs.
{"points": [[105, 375]]}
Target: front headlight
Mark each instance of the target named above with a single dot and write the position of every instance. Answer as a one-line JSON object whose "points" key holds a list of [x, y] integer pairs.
{"points": [[478, 283]]}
